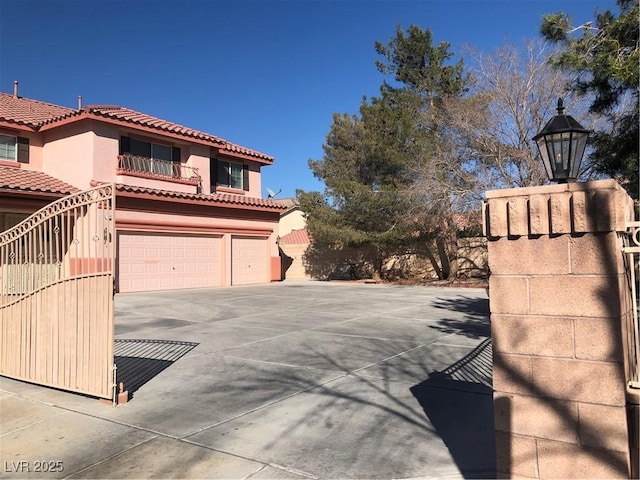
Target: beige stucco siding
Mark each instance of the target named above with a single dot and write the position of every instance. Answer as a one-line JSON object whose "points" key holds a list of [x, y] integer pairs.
{"points": [[292, 220], [293, 262]]}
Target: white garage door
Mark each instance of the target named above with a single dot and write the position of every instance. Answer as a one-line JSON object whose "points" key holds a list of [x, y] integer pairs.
{"points": [[249, 260], [148, 261]]}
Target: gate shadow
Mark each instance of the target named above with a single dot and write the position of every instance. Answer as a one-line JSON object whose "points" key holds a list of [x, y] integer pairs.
{"points": [[459, 403], [139, 360]]}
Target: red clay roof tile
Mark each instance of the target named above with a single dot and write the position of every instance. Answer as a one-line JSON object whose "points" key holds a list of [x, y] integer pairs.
{"points": [[290, 203], [215, 198], [296, 237], [35, 114], [20, 179], [24, 111]]}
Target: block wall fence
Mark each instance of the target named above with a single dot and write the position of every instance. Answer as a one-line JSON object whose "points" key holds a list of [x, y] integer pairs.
{"points": [[558, 295]]}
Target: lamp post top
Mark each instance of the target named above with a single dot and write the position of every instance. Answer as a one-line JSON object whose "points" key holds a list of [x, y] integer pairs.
{"points": [[561, 123]]}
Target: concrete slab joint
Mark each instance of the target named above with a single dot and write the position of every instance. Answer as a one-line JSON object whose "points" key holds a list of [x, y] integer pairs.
{"points": [[557, 300]]}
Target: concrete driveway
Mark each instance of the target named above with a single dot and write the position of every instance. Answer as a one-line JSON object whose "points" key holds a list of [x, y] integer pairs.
{"points": [[288, 380]]}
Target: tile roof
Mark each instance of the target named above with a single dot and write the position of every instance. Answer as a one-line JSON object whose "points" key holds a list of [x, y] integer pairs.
{"points": [[131, 116], [20, 179], [296, 237], [36, 114], [290, 203], [32, 113], [215, 198]]}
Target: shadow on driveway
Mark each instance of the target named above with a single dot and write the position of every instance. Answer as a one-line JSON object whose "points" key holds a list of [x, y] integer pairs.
{"points": [[474, 324], [139, 360], [459, 405]]}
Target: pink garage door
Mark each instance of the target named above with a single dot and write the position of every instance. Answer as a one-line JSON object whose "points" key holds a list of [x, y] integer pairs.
{"points": [[249, 260], [150, 261]]}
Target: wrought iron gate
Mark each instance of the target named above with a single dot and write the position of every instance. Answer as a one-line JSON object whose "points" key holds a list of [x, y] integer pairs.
{"points": [[56, 295], [631, 341], [631, 338]]}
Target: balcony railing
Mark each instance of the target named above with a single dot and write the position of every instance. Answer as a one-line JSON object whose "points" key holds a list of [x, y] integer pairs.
{"points": [[161, 169]]}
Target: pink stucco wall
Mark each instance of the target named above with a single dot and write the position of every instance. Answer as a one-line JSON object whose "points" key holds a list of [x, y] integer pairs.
{"points": [[255, 186], [106, 146], [67, 154], [88, 150]]}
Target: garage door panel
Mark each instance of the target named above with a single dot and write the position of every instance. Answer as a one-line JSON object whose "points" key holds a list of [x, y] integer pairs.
{"points": [[249, 260], [150, 261]]}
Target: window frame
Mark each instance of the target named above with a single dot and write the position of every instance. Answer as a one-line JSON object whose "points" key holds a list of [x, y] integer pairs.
{"points": [[225, 166], [15, 148], [214, 180]]}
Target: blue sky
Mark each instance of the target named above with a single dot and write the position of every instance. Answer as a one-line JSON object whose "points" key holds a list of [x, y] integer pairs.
{"points": [[265, 74]]}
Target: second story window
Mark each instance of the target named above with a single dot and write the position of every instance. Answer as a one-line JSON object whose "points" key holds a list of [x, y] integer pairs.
{"points": [[14, 149], [229, 174], [8, 148]]}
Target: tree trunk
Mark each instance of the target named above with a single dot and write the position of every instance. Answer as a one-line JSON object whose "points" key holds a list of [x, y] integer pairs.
{"points": [[434, 263], [444, 257]]}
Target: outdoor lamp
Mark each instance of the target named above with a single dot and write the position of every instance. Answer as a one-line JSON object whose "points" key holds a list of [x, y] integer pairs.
{"points": [[561, 144]]}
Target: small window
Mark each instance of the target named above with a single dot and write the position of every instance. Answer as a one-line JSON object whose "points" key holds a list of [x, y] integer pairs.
{"points": [[8, 148], [230, 175]]}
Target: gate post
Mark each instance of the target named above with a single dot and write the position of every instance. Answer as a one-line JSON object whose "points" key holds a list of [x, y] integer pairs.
{"points": [[558, 294]]}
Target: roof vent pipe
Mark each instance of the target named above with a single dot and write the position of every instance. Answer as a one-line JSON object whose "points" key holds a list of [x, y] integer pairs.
{"points": [[79, 102], [15, 89]]}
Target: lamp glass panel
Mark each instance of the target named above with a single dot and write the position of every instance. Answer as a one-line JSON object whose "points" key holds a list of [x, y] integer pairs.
{"points": [[561, 150], [544, 153], [579, 142]]}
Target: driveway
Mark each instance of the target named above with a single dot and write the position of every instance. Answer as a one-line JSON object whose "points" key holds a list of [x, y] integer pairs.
{"points": [[288, 380]]}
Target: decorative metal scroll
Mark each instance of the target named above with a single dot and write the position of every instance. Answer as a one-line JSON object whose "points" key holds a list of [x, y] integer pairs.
{"points": [[631, 249], [56, 294]]}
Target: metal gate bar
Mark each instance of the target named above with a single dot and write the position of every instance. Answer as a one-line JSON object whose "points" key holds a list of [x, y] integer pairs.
{"points": [[630, 329]]}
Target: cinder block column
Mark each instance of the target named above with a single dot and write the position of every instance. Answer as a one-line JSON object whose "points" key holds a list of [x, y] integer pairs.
{"points": [[557, 297]]}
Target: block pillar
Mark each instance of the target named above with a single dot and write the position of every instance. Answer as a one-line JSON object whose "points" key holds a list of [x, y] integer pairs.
{"points": [[558, 293]]}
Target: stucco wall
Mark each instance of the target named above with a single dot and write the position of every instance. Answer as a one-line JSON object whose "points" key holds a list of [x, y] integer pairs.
{"points": [[88, 150], [293, 267], [68, 154], [292, 220], [106, 145]]}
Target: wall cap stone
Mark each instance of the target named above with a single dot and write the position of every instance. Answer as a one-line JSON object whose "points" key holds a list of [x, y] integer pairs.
{"points": [[606, 184], [590, 207]]}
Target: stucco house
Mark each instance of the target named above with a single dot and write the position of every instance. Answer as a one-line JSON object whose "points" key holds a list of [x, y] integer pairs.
{"points": [[293, 240], [189, 211]]}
